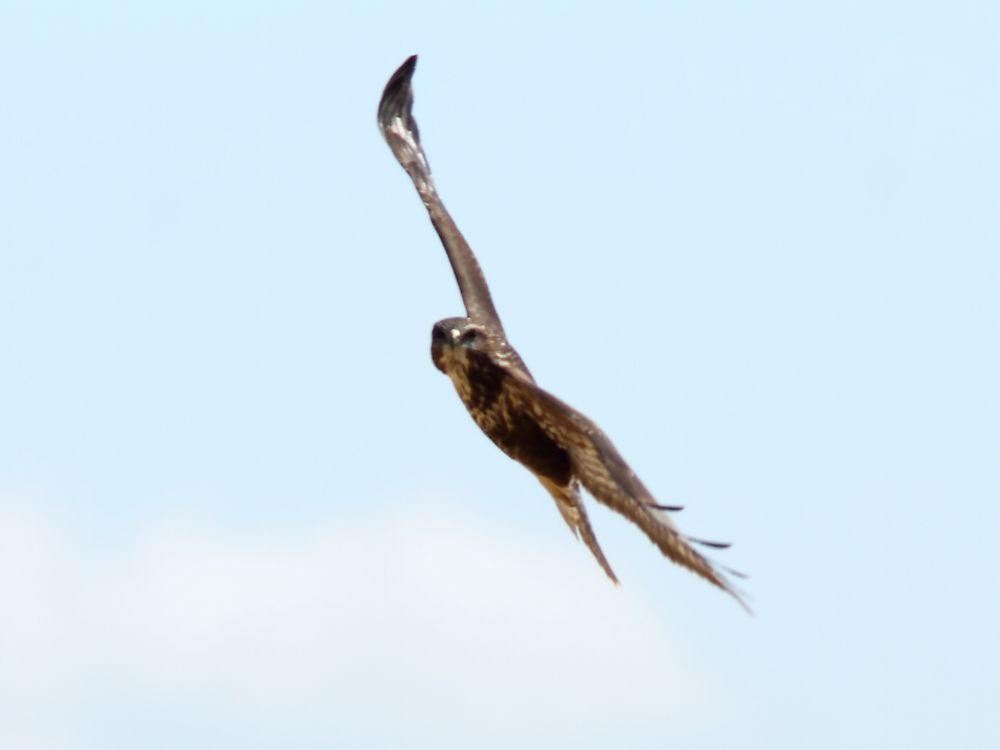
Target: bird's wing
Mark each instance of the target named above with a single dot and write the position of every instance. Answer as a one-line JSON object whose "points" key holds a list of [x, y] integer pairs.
{"points": [[571, 507], [602, 470], [399, 129]]}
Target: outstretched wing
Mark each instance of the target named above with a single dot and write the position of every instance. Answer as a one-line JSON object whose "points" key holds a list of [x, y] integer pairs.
{"points": [[395, 120], [602, 470]]}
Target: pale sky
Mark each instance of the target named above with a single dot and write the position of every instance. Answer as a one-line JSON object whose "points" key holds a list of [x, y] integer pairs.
{"points": [[758, 243]]}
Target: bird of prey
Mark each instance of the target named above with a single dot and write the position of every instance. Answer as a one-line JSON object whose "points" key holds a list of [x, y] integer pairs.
{"points": [[559, 445]]}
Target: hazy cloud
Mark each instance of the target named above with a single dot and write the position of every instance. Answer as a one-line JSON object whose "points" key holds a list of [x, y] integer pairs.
{"points": [[354, 635]]}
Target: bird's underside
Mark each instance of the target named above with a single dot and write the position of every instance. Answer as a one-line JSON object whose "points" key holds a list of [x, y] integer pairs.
{"points": [[560, 446]]}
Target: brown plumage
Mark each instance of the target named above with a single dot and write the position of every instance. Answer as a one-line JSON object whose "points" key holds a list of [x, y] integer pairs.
{"points": [[560, 446]]}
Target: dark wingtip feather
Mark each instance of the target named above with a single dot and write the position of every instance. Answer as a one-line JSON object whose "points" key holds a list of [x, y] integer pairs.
{"points": [[735, 573], [713, 545], [397, 97], [670, 508]]}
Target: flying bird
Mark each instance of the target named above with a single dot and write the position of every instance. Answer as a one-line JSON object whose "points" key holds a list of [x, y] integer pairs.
{"points": [[556, 443]]}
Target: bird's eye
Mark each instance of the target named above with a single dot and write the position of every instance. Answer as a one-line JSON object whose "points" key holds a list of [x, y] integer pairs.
{"points": [[469, 335]]}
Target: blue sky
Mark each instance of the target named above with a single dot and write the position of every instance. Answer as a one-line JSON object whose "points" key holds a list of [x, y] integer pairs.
{"points": [[240, 508]]}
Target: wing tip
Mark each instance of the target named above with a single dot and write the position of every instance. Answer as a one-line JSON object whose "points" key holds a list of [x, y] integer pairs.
{"points": [[741, 599], [405, 71], [397, 96], [709, 543], [719, 579]]}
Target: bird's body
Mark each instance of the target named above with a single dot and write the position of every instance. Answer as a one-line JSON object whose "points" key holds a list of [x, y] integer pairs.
{"points": [[560, 446], [483, 385]]}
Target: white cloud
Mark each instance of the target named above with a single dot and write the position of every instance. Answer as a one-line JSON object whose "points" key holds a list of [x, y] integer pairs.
{"points": [[427, 629]]}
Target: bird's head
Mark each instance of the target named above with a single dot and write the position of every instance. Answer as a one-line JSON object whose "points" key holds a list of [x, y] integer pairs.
{"points": [[453, 338]]}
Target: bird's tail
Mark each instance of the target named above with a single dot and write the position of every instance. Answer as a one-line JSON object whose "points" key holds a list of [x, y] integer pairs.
{"points": [[570, 505]]}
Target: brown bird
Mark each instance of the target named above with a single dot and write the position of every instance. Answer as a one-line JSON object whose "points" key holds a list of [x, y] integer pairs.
{"points": [[556, 443]]}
